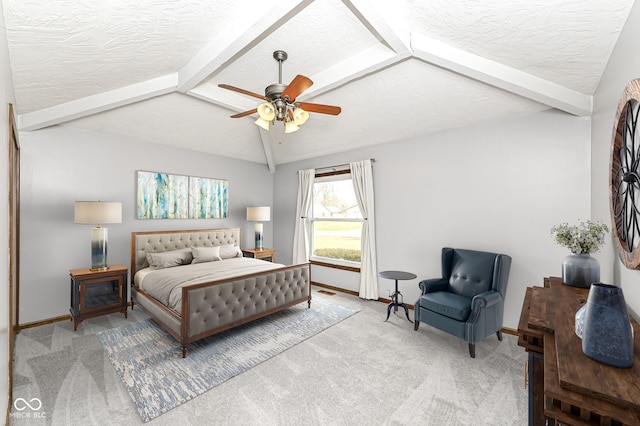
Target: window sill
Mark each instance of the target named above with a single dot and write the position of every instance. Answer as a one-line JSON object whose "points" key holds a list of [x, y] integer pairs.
{"points": [[335, 266]]}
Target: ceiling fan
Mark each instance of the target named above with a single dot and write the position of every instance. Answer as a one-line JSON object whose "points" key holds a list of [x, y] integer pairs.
{"points": [[281, 102]]}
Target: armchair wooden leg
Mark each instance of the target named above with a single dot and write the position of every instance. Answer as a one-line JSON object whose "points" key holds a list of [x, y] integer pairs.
{"points": [[416, 324], [499, 334], [472, 350]]}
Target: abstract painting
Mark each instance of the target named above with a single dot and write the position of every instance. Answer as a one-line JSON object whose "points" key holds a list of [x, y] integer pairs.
{"points": [[162, 196], [208, 198]]}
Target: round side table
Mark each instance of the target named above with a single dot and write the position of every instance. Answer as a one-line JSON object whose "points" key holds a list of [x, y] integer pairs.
{"points": [[397, 275]]}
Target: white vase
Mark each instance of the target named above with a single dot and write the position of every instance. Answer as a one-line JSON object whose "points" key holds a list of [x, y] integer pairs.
{"points": [[580, 270], [579, 320]]}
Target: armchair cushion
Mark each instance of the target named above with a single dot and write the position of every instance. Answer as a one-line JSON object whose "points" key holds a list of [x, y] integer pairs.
{"points": [[448, 304], [471, 272]]}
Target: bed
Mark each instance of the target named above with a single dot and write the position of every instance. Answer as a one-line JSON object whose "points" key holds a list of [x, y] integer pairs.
{"points": [[196, 283]]}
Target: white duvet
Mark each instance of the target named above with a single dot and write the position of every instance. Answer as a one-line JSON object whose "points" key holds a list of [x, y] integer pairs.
{"points": [[166, 284]]}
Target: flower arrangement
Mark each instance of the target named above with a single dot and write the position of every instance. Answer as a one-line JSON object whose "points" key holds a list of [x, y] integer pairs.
{"points": [[584, 238]]}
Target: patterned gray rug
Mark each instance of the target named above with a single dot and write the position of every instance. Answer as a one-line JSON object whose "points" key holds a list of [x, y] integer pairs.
{"points": [[150, 364]]}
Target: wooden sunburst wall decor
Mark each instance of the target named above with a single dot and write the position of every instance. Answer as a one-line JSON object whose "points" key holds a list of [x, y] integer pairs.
{"points": [[624, 177]]}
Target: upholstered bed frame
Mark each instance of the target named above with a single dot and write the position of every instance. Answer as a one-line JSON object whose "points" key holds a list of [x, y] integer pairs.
{"points": [[212, 307]]}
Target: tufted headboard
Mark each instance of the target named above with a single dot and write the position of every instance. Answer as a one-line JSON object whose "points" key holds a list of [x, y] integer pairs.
{"points": [[159, 241]]}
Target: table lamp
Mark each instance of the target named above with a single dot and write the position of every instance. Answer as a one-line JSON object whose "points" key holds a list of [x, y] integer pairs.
{"points": [[98, 213], [259, 215]]}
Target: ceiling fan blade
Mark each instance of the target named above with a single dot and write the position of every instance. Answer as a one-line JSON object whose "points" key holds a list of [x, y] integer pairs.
{"points": [[244, 92], [322, 109], [244, 114], [298, 85]]}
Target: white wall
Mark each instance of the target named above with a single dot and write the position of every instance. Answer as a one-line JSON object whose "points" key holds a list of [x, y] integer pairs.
{"points": [[623, 66], [6, 97], [60, 165], [495, 187]]}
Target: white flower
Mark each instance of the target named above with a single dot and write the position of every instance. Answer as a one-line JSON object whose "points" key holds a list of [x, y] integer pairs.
{"points": [[586, 237]]}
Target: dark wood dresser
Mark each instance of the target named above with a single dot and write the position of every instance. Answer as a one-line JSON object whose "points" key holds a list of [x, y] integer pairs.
{"points": [[565, 386]]}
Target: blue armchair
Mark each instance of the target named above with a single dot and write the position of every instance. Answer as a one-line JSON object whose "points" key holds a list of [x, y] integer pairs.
{"points": [[468, 301]]}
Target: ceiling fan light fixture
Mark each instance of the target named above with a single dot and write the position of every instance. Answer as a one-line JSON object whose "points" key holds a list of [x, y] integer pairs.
{"points": [[262, 123], [300, 116], [290, 127], [266, 111], [281, 102]]}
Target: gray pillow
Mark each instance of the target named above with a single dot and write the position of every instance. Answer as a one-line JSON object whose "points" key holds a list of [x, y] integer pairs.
{"points": [[206, 254], [169, 259], [228, 251]]}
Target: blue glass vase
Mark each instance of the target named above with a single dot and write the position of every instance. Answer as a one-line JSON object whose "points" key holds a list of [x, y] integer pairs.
{"points": [[580, 270], [607, 336]]}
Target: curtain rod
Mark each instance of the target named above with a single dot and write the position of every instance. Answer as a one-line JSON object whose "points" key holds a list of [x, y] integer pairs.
{"points": [[373, 160]]}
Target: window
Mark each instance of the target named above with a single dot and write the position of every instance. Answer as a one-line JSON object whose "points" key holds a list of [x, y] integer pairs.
{"points": [[336, 221]]}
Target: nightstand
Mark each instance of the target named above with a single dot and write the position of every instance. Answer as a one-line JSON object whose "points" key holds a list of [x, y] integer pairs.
{"points": [[264, 254], [95, 293]]}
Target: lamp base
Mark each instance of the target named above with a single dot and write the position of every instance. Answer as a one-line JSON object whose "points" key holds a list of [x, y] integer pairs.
{"points": [[99, 269], [259, 236], [99, 237]]}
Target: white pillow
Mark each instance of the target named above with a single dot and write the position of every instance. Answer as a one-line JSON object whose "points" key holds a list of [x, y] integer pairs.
{"points": [[206, 254], [228, 251], [169, 259]]}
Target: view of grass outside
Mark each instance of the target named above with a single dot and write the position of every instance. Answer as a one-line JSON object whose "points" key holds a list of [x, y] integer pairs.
{"points": [[337, 240]]}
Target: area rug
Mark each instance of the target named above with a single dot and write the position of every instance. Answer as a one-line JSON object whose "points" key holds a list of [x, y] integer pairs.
{"points": [[150, 364]]}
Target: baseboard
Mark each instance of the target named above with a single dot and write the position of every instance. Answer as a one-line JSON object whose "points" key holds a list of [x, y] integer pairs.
{"points": [[354, 293], [507, 330], [48, 321], [330, 287], [44, 322]]}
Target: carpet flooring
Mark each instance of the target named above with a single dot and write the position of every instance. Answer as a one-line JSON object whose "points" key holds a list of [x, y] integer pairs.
{"points": [[149, 361], [360, 371]]}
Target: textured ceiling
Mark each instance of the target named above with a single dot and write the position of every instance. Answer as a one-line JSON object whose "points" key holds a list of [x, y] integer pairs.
{"points": [[150, 70]]}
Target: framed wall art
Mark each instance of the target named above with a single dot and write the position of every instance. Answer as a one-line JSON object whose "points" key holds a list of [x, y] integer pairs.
{"points": [[162, 196], [208, 198], [169, 196]]}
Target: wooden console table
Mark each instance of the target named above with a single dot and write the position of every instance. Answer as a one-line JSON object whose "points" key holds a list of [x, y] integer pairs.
{"points": [[565, 386]]}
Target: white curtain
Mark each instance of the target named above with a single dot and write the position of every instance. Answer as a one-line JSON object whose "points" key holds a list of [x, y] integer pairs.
{"points": [[362, 178], [303, 208]]}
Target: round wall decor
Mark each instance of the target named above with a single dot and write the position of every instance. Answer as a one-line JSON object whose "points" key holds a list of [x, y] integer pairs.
{"points": [[624, 177]]}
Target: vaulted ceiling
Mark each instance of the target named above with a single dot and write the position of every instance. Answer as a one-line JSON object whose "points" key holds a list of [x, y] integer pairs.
{"points": [[150, 69]]}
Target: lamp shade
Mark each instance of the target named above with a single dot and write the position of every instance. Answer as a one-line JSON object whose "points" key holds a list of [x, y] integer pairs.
{"points": [[266, 111], [259, 214], [262, 123], [300, 116], [290, 127], [98, 212]]}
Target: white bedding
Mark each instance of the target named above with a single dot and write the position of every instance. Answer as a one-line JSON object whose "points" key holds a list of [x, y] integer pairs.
{"points": [[165, 285]]}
